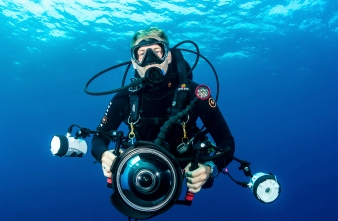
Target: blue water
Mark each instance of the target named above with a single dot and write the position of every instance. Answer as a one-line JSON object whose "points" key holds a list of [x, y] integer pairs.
{"points": [[278, 70]]}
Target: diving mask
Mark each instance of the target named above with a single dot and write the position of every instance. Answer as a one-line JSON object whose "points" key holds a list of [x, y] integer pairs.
{"points": [[146, 57]]}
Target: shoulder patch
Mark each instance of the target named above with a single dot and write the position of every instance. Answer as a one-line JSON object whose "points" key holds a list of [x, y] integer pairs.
{"points": [[212, 102]]}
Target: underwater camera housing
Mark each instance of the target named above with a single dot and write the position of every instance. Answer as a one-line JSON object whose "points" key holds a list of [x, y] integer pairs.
{"points": [[147, 181]]}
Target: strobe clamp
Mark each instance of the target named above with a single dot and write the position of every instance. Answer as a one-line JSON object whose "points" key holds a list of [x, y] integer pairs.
{"points": [[83, 133], [245, 166]]}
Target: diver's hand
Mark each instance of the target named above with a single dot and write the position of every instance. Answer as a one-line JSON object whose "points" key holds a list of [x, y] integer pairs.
{"points": [[106, 161], [196, 178]]}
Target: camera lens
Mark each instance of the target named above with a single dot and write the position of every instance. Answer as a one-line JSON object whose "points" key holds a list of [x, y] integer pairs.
{"points": [[145, 180]]}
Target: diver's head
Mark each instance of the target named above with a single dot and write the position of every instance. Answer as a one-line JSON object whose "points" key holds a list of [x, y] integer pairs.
{"points": [[150, 48]]}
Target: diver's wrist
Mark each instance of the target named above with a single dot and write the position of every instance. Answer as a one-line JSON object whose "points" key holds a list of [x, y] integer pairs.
{"points": [[212, 167]]}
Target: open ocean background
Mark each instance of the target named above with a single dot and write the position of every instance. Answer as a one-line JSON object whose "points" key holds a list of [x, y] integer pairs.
{"points": [[278, 68]]}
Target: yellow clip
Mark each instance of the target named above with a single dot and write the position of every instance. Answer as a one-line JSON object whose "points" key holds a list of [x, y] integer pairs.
{"points": [[131, 134], [185, 138]]}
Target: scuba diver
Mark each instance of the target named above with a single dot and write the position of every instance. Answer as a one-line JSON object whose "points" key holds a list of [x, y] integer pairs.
{"points": [[146, 108], [164, 145]]}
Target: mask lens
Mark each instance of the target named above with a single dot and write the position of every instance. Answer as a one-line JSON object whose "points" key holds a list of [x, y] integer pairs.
{"points": [[139, 53]]}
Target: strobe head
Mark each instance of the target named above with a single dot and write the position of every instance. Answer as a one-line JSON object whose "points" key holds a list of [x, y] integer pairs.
{"points": [[66, 146], [265, 187], [146, 182]]}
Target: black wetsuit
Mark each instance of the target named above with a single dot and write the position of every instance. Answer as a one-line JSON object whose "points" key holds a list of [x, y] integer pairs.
{"points": [[154, 103]]}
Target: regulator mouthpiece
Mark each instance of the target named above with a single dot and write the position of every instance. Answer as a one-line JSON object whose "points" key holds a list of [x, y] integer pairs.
{"points": [[265, 187], [154, 76], [66, 146]]}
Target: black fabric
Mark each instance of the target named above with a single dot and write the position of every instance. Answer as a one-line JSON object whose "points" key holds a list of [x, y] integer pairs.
{"points": [[155, 103]]}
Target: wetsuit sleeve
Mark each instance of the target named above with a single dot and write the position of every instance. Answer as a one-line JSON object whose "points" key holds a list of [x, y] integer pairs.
{"points": [[114, 115], [216, 125]]}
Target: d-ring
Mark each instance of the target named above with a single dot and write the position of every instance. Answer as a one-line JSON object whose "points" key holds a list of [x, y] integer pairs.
{"points": [[129, 120], [186, 121]]}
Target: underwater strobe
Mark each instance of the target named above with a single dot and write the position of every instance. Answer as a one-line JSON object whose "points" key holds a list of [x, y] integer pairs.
{"points": [[265, 187], [68, 146]]}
